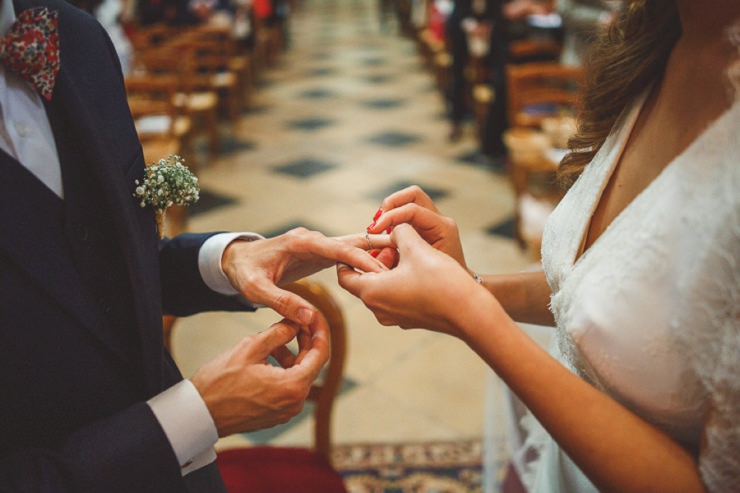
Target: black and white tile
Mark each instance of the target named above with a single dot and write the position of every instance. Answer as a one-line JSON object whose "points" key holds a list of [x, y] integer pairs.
{"points": [[347, 117]]}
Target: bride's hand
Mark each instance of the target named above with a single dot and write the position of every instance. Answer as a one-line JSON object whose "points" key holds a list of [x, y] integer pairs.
{"points": [[427, 289], [411, 205]]}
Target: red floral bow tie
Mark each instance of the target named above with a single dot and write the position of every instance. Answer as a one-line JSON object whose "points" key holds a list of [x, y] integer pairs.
{"points": [[31, 49]]}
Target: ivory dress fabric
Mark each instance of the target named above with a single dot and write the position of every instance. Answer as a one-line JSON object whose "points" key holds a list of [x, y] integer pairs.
{"points": [[650, 313]]}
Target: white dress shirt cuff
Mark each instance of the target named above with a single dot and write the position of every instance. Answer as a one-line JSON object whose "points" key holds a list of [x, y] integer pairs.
{"points": [[209, 260], [188, 424]]}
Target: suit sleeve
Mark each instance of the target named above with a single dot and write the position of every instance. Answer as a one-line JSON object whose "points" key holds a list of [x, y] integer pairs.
{"points": [[124, 453], [183, 290]]}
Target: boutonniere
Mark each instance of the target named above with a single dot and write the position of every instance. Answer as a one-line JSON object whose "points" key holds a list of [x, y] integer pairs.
{"points": [[167, 183]]}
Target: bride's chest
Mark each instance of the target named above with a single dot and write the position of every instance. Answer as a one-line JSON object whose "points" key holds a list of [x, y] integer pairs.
{"points": [[627, 307]]}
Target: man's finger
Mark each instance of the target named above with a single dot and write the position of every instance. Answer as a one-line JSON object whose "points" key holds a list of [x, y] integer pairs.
{"points": [[277, 335], [355, 253], [283, 356], [313, 360], [361, 241], [287, 304], [304, 340], [389, 257]]}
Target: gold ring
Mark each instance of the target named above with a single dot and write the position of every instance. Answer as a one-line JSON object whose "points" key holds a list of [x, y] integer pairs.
{"points": [[367, 238]]}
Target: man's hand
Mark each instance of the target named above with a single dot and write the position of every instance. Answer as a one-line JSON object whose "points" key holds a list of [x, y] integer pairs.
{"points": [[257, 268], [243, 392]]}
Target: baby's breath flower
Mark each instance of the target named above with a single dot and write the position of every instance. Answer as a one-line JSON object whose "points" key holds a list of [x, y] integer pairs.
{"points": [[166, 183]]}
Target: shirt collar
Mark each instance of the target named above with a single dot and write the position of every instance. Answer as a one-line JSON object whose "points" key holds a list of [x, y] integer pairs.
{"points": [[7, 16]]}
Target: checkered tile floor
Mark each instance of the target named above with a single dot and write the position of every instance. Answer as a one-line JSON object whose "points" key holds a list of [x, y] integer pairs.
{"points": [[347, 116]]}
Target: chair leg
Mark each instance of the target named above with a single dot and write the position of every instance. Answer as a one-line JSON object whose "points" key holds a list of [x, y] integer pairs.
{"points": [[234, 106], [214, 141]]}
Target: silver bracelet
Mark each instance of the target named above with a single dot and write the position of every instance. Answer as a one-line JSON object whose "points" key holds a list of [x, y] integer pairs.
{"points": [[477, 277]]}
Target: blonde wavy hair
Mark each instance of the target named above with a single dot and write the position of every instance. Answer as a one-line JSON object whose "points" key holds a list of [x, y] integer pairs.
{"points": [[629, 56]]}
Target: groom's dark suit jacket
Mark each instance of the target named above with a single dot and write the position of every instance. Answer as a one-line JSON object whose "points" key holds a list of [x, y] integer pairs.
{"points": [[84, 282]]}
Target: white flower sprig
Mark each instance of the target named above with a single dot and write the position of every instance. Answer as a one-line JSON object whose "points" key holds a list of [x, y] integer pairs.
{"points": [[167, 183]]}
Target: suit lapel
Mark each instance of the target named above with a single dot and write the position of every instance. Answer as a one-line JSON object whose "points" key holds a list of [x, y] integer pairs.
{"points": [[87, 92], [111, 145]]}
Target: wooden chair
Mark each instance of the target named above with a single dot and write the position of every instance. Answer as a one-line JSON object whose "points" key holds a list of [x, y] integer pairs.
{"points": [[201, 104], [267, 469], [535, 92], [539, 90], [158, 121], [529, 50], [533, 178], [211, 71], [145, 38], [483, 98], [240, 60]]}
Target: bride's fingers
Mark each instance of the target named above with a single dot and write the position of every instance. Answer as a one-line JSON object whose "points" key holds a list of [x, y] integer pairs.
{"points": [[412, 194], [349, 279], [420, 218]]}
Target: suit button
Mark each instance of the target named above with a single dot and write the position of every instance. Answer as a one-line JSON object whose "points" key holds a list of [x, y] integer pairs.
{"points": [[81, 232], [105, 305]]}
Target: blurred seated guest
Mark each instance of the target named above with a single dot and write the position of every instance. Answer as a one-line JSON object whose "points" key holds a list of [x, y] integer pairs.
{"points": [[641, 269], [211, 11], [439, 13], [469, 19], [582, 20], [273, 14], [244, 23], [510, 25]]}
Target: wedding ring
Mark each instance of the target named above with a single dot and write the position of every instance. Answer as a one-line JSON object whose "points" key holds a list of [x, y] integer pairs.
{"points": [[367, 238]]}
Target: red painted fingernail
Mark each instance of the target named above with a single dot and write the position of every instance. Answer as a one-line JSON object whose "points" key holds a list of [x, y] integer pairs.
{"points": [[371, 226], [377, 214], [388, 229], [375, 253]]}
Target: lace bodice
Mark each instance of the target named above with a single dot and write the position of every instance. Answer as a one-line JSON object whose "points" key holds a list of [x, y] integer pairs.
{"points": [[650, 313]]}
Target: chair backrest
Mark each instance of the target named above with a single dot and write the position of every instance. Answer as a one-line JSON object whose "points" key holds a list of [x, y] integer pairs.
{"points": [[539, 90], [530, 50], [323, 392], [147, 37], [150, 99]]}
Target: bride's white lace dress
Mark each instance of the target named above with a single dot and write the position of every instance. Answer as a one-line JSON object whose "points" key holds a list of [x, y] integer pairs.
{"points": [[650, 313]]}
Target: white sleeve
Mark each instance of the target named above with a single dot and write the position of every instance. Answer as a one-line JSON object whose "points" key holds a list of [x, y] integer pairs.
{"points": [[188, 424], [209, 260]]}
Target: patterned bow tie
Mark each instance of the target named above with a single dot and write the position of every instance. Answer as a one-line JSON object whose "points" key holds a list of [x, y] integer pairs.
{"points": [[31, 49]]}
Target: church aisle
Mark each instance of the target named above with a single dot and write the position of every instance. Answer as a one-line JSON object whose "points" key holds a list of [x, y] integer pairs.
{"points": [[347, 116]]}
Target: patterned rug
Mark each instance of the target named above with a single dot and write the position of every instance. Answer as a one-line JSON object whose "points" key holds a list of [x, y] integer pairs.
{"points": [[438, 467]]}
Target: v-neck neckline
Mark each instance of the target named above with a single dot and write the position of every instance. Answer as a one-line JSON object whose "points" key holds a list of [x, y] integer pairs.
{"points": [[620, 143], [621, 139]]}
